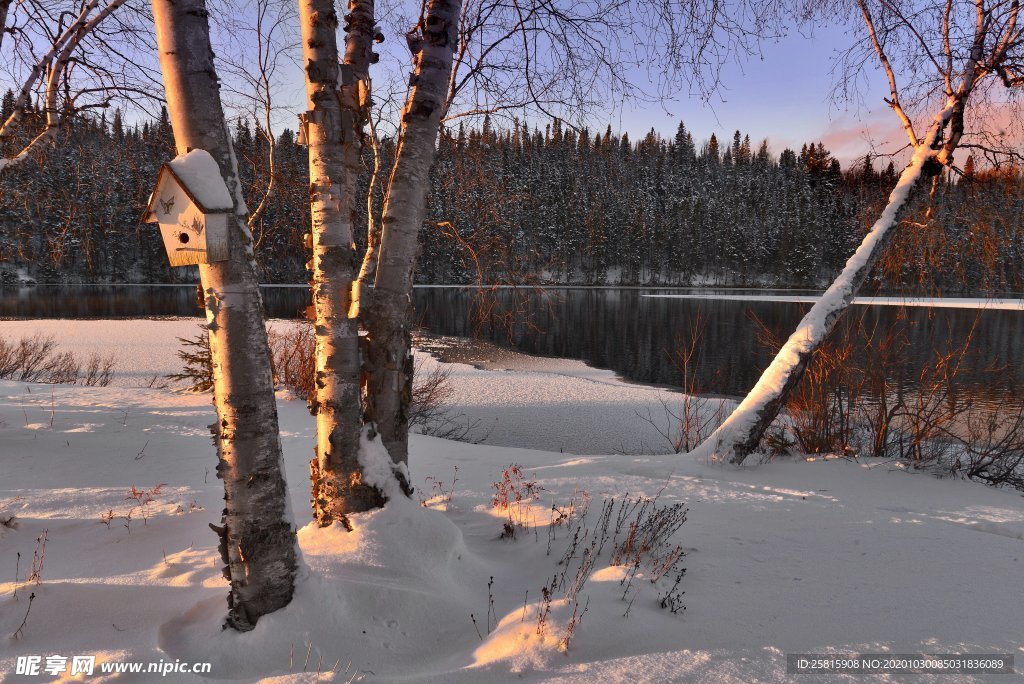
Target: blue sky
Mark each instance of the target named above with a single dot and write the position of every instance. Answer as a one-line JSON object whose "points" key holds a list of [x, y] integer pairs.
{"points": [[786, 96]]}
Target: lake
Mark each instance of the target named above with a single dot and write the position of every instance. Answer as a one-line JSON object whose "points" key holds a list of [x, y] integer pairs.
{"points": [[622, 329]]}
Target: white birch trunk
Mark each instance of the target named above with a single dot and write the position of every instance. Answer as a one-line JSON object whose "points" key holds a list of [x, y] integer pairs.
{"points": [[388, 318], [258, 540], [741, 432], [333, 130]]}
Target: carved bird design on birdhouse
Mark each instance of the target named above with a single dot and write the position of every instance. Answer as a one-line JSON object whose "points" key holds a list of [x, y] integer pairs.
{"points": [[166, 205]]}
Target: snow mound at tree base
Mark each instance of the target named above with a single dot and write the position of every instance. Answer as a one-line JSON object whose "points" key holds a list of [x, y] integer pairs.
{"points": [[392, 590]]}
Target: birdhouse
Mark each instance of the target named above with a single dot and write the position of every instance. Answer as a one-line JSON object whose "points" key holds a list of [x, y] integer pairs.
{"points": [[193, 205]]}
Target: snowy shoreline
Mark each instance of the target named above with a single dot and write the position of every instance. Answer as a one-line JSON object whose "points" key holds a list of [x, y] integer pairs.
{"points": [[567, 404], [789, 557]]}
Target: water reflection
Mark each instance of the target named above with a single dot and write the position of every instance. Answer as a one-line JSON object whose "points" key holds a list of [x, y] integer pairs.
{"points": [[636, 335], [609, 328]]}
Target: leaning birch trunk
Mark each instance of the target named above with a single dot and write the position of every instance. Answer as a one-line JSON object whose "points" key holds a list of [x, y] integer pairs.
{"points": [[333, 129], [258, 541], [741, 432], [388, 317]]}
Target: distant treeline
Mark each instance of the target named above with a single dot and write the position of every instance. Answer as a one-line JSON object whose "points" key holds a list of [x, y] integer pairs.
{"points": [[521, 205]]}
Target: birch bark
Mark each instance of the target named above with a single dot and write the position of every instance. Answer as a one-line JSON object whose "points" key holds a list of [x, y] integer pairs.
{"points": [[333, 125], [258, 542], [982, 57], [388, 315], [741, 432]]}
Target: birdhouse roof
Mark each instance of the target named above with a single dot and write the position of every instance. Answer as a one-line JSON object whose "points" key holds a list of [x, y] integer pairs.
{"points": [[199, 176]]}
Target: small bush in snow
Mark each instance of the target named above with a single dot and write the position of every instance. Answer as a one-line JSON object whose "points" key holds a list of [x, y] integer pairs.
{"points": [[197, 364], [510, 493], [143, 498], [38, 558], [639, 535], [20, 632], [438, 492], [36, 359]]}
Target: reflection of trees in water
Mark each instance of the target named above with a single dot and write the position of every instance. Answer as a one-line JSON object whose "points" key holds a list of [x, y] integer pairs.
{"points": [[617, 329], [634, 335], [130, 301]]}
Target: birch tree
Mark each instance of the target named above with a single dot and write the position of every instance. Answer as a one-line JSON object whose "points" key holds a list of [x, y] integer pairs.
{"points": [[258, 543], [338, 101], [5, 6], [50, 70], [388, 316], [553, 58], [951, 54], [488, 57]]}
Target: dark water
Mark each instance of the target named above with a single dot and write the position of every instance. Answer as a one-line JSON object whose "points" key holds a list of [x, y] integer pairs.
{"points": [[637, 336], [619, 329]]}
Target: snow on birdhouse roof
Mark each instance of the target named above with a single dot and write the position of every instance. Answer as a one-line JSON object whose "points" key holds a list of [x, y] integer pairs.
{"points": [[197, 173]]}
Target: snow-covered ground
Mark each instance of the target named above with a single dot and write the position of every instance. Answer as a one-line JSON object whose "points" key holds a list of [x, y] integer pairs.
{"points": [[568, 405], [789, 557]]}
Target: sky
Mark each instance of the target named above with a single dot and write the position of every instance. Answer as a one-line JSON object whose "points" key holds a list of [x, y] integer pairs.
{"points": [[786, 96]]}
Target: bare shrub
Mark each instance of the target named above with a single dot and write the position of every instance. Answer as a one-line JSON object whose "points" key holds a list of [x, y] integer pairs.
{"points": [[430, 412], [20, 632], [143, 498], [697, 416], [821, 409], [31, 356], [639, 533], [430, 393], [61, 369], [99, 371], [876, 407], [36, 359], [38, 558], [438, 491], [511, 491], [574, 622], [7, 355], [992, 447], [293, 358], [910, 423]]}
